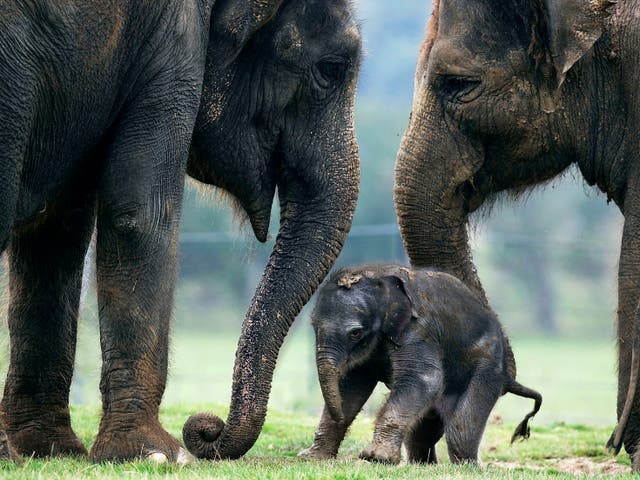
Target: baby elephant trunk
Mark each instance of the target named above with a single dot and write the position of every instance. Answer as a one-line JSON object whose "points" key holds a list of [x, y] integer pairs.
{"points": [[329, 376], [522, 430]]}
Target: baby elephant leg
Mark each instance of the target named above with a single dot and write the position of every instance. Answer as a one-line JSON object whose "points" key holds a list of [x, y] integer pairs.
{"points": [[465, 429], [421, 441], [355, 390], [411, 395]]}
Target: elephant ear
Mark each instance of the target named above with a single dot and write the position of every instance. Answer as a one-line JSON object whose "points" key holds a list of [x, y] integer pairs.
{"points": [[234, 22], [400, 306], [572, 28]]}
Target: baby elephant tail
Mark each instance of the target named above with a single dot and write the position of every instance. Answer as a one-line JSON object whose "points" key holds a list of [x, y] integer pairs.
{"points": [[522, 430]]}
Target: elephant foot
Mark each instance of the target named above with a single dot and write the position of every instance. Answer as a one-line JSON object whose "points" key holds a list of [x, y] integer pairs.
{"points": [[7, 452], [381, 454], [139, 442], [635, 461], [43, 435], [317, 453]]}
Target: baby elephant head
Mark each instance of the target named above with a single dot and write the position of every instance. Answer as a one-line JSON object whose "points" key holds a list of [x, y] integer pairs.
{"points": [[355, 312]]}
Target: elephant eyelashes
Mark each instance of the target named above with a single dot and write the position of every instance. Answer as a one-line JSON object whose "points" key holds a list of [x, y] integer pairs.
{"points": [[456, 89]]}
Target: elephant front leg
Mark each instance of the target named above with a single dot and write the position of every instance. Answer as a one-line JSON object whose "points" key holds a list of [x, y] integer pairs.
{"points": [[7, 452], [628, 298], [411, 394], [355, 389], [45, 271], [138, 218]]}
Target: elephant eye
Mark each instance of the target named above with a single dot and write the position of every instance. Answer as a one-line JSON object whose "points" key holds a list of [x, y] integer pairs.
{"points": [[329, 73], [356, 334], [457, 89]]}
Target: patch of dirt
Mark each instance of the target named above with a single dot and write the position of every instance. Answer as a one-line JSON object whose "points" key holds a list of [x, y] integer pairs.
{"points": [[576, 466], [496, 419]]}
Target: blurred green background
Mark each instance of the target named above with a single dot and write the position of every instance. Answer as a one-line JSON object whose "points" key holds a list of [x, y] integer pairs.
{"points": [[547, 263]]}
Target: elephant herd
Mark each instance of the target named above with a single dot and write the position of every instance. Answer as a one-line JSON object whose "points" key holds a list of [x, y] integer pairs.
{"points": [[105, 106]]}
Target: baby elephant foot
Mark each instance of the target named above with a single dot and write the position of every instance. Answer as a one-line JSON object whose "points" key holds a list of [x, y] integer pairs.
{"points": [[141, 442], [316, 452], [381, 454]]}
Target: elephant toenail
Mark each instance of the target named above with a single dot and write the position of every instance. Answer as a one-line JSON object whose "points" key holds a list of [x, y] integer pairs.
{"points": [[157, 457], [184, 457]]}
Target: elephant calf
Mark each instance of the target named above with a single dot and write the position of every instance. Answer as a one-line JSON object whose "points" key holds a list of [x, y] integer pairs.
{"points": [[440, 351]]}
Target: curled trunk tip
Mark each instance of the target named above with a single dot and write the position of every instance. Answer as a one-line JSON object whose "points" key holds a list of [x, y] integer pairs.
{"points": [[200, 433]]}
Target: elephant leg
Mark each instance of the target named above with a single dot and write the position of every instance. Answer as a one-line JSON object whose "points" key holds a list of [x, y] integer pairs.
{"points": [[421, 441], [465, 428], [13, 133], [628, 297], [139, 203], [355, 390], [45, 271], [15, 112], [416, 386], [7, 452], [9, 182]]}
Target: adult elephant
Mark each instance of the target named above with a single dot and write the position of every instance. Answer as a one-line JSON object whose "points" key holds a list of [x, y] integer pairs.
{"points": [[103, 108], [508, 95]]}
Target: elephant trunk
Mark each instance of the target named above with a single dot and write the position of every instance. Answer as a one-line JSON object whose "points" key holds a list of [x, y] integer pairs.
{"points": [[431, 170], [313, 228], [329, 374]]}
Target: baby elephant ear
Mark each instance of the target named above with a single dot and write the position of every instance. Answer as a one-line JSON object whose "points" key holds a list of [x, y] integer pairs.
{"points": [[399, 308], [573, 27], [234, 22]]}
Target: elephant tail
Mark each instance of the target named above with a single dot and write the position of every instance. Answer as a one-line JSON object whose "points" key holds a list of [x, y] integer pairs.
{"points": [[615, 441], [522, 430]]}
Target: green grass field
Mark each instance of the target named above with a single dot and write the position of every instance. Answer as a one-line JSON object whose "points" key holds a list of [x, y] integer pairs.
{"points": [[576, 378], [553, 451]]}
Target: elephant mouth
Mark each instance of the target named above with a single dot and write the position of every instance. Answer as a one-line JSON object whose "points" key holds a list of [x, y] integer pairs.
{"points": [[260, 219], [259, 207], [473, 198], [477, 191]]}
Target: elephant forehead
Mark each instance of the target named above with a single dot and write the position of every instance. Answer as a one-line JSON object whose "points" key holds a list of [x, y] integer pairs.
{"points": [[342, 302], [491, 24]]}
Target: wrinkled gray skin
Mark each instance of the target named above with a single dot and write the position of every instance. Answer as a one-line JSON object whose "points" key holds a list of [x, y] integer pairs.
{"points": [[438, 348], [104, 106], [508, 95]]}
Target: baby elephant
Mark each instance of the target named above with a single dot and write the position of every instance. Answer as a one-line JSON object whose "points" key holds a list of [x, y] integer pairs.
{"points": [[436, 346]]}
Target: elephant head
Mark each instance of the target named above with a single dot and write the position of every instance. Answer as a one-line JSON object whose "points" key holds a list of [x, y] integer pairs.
{"points": [[277, 113], [355, 311], [500, 103]]}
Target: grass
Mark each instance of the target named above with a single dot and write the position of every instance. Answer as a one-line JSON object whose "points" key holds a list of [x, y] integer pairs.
{"points": [[576, 378], [551, 452], [568, 436]]}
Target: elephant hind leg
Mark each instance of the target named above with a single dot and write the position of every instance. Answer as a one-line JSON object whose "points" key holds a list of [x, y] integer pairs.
{"points": [[421, 441], [466, 426], [45, 277]]}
